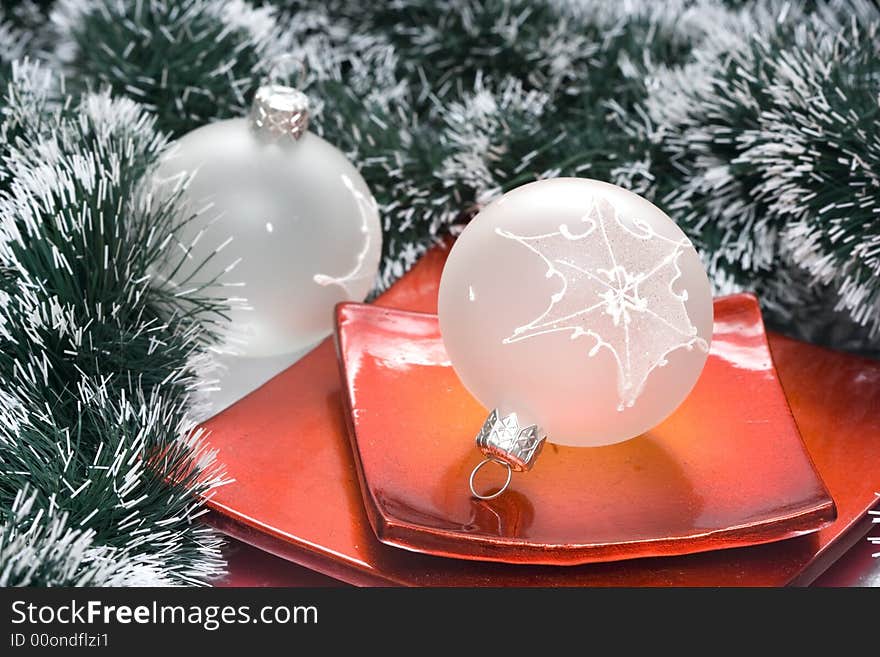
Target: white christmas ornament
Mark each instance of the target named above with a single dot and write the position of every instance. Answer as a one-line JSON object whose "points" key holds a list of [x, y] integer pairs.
{"points": [[287, 209], [579, 311]]}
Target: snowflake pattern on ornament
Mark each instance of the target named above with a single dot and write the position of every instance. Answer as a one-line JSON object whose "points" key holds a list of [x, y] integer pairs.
{"points": [[626, 275]]}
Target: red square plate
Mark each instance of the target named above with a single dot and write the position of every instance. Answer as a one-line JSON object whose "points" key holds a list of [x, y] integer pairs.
{"points": [[296, 492], [727, 469]]}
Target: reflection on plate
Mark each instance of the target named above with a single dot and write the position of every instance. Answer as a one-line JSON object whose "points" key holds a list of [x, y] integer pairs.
{"points": [[727, 469]]}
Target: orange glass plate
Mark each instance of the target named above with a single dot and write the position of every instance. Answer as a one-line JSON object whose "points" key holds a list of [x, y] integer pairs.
{"points": [[727, 469], [296, 493]]}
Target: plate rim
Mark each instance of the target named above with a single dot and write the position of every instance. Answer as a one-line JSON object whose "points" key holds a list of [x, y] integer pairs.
{"points": [[422, 539]]}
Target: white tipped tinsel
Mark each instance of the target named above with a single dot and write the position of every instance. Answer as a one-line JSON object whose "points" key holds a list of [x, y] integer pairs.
{"points": [[103, 468]]}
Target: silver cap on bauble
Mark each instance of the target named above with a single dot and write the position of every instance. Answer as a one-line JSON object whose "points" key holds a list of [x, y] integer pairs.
{"points": [[279, 111]]}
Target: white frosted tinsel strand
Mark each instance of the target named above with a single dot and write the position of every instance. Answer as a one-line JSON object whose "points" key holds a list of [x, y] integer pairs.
{"points": [[875, 519], [732, 123], [478, 127], [43, 549], [13, 42], [109, 466], [809, 112], [212, 52]]}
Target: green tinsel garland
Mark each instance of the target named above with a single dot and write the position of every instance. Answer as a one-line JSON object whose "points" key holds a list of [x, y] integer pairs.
{"points": [[753, 124]]}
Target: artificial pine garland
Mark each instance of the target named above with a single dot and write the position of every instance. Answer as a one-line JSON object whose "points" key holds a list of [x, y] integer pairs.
{"points": [[753, 124], [100, 463]]}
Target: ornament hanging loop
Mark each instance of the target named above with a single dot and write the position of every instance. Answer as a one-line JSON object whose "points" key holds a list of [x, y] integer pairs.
{"points": [[490, 496], [503, 441], [282, 69], [280, 111]]}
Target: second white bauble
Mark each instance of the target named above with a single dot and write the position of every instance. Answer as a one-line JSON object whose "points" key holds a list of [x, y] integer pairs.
{"points": [[579, 306], [302, 227]]}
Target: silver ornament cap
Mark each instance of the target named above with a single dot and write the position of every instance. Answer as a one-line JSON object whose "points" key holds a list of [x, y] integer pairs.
{"points": [[280, 111], [503, 441]]}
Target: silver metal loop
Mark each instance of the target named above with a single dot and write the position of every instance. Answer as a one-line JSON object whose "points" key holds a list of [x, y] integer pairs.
{"points": [[282, 68], [500, 490]]}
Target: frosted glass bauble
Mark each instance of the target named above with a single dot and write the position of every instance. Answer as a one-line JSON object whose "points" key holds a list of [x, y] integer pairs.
{"points": [[302, 228], [579, 306]]}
